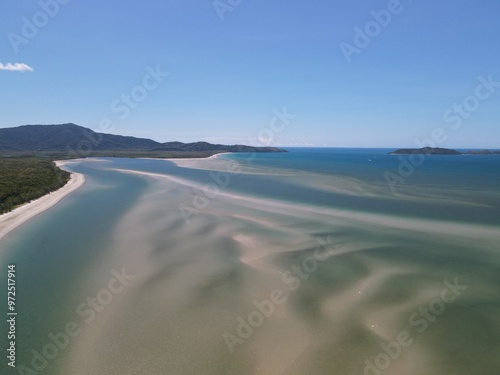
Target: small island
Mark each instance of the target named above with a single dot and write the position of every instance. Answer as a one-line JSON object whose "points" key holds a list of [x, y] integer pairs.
{"points": [[440, 151]]}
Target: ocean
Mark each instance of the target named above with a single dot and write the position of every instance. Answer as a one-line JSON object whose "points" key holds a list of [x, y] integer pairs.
{"points": [[316, 261]]}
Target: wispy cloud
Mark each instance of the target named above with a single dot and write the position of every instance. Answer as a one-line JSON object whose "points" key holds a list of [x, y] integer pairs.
{"points": [[17, 67]]}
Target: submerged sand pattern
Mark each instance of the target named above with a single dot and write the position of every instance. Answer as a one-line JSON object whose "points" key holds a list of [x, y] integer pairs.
{"points": [[350, 285], [262, 284]]}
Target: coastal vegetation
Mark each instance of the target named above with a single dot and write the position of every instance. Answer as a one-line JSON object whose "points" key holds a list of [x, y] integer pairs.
{"points": [[27, 170], [25, 179], [70, 141]]}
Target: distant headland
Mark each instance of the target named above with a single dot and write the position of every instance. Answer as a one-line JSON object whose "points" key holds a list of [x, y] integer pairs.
{"points": [[440, 151], [69, 141]]}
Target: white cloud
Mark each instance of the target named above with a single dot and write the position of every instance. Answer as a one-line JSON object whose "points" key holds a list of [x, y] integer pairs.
{"points": [[17, 67]]}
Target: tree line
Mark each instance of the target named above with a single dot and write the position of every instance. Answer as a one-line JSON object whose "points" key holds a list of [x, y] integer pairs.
{"points": [[25, 179]]}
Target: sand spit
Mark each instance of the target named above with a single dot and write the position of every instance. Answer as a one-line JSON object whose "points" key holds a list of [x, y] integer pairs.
{"points": [[454, 229], [179, 161], [62, 163], [11, 220], [215, 156]]}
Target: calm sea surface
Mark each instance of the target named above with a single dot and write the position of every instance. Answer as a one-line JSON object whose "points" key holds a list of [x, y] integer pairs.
{"points": [[316, 261]]}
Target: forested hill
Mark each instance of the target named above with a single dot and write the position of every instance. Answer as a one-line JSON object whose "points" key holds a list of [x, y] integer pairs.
{"points": [[74, 141]]}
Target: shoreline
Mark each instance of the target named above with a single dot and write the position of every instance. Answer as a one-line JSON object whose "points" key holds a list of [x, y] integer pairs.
{"points": [[211, 157], [13, 219], [215, 156], [61, 163]]}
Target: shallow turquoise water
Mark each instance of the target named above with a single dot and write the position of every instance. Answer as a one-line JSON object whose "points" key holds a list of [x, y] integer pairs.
{"points": [[392, 253]]}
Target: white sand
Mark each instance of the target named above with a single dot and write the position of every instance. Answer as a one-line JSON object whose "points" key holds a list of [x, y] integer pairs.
{"points": [[454, 229], [11, 220], [214, 156], [180, 160], [219, 154]]}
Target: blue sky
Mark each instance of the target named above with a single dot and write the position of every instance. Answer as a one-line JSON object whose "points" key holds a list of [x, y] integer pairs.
{"points": [[227, 78]]}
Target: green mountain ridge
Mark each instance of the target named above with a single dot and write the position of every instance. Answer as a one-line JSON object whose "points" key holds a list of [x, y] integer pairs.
{"points": [[72, 138]]}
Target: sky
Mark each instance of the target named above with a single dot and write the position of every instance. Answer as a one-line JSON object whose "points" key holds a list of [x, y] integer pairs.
{"points": [[335, 73]]}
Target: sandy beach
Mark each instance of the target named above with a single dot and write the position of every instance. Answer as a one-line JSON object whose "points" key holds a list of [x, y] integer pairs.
{"points": [[11, 220]]}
